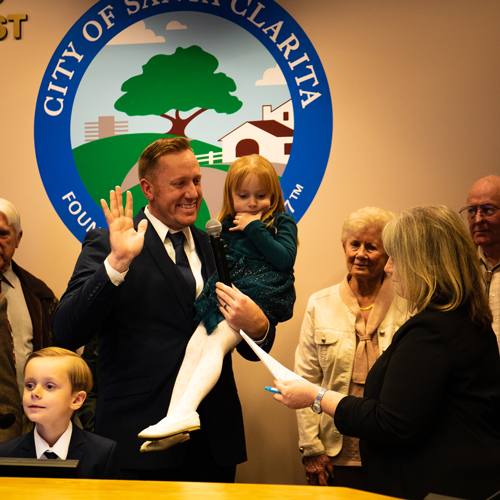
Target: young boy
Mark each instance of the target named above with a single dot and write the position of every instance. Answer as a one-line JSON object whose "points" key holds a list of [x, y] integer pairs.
{"points": [[56, 382]]}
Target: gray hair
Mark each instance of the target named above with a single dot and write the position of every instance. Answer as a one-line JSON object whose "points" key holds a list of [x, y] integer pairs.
{"points": [[365, 218], [11, 214]]}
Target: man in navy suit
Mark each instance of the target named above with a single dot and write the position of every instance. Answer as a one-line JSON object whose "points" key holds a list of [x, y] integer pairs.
{"points": [[127, 288], [55, 385]]}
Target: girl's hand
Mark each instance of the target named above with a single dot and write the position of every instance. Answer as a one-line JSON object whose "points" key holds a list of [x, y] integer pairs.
{"points": [[241, 220]]}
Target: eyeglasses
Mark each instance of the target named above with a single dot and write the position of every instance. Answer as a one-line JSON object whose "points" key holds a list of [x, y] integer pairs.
{"points": [[487, 210]]}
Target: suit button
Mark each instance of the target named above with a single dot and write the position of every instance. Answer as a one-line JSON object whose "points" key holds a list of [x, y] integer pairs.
{"points": [[382, 333], [301, 449]]}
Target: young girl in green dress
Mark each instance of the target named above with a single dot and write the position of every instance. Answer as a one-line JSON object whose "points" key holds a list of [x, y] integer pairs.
{"points": [[261, 245]]}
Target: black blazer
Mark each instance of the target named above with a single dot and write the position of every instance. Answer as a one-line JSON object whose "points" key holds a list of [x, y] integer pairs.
{"points": [[97, 455], [429, 420], [144, 326]]}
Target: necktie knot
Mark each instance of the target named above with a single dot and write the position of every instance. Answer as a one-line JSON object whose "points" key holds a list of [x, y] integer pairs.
{"points": [[177, 239], [51, 455]]}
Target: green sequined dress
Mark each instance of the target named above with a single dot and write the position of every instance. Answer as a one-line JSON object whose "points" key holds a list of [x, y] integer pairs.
{"points": [[260, 262]]}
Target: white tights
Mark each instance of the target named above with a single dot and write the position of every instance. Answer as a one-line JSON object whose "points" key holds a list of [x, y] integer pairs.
{"points": [[201, 368]]}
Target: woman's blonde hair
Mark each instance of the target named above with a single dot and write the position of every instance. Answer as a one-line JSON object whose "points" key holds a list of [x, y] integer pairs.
{"points": [[79, 373], [267, 176], [437, 262], [365, 218]]}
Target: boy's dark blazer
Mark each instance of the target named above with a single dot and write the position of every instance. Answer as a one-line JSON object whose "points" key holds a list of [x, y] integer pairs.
{"points": [[144, 326], [97, 455]]}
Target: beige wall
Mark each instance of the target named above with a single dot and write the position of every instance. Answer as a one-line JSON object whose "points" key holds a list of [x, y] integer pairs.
{"points": [[415, 89]]}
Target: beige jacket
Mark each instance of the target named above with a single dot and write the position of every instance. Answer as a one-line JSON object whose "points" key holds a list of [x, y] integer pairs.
{"points": [[325, 356]]}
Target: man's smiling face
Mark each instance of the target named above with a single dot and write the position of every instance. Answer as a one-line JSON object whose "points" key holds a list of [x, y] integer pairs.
{"points": [[175, 192]]}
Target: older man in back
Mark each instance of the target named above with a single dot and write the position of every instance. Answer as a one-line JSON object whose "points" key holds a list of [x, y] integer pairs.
{"points": [[483, 216], [26, 307]]}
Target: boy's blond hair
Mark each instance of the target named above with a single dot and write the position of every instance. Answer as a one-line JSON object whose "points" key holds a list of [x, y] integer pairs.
{"points": [[79, 373]]}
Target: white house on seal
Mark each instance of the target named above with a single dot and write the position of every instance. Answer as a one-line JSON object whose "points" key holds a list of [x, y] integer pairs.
{"points": [[270, 137]]}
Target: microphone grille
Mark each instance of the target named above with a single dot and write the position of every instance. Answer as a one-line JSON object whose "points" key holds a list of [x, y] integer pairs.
{"points": [[213, 228]]}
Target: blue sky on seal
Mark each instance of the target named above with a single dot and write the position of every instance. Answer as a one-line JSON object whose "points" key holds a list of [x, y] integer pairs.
{"points": [[241, 56]]}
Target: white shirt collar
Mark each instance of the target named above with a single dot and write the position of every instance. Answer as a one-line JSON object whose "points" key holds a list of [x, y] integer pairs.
{"points": [[162, 229], [60, 448], [486, 262], [10, 276]]}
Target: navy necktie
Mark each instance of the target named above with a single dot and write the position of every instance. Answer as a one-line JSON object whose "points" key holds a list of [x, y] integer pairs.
{"points": [[50, 455], [182, 262]]}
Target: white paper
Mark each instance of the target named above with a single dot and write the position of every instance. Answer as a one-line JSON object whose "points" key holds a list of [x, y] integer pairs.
{"points": [[277, 369]]}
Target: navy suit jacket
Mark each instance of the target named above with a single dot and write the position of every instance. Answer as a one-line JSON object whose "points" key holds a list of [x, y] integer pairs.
{"points": [[97, 455], [144, 326]]}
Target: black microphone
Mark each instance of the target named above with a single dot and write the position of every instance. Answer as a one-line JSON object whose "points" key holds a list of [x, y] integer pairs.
{"points": [[214, 230], [6, 420]]}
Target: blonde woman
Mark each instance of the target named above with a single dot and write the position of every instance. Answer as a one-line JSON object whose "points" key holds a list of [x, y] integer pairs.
{"points": [[429, 420]]}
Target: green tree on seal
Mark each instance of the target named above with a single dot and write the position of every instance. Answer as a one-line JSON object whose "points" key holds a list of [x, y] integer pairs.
{"points": [[177, 83]]}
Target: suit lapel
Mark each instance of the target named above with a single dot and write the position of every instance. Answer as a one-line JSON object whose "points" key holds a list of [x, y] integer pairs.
{"points": [[76, 444], [28, 449]]}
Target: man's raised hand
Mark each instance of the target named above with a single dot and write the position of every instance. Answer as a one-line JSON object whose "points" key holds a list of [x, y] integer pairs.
{"points": [[126, 243]]}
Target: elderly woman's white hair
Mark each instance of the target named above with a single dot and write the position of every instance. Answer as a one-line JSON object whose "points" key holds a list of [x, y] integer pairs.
{"points": [[365, 218], [11, 214]]}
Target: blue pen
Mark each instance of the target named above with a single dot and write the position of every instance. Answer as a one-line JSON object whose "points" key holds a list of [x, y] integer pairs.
{"points": [[272, 389]]}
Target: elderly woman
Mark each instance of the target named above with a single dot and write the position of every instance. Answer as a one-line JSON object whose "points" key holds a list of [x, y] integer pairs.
{"points": [[429, 420], [346, 327]]}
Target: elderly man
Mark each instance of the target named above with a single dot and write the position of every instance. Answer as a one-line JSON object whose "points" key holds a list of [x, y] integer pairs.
{"points": [[483, 215], [134, 285], [26, 307]]}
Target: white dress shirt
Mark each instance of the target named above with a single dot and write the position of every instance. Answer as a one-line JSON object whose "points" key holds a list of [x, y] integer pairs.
{"points": [[60, 448]]}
